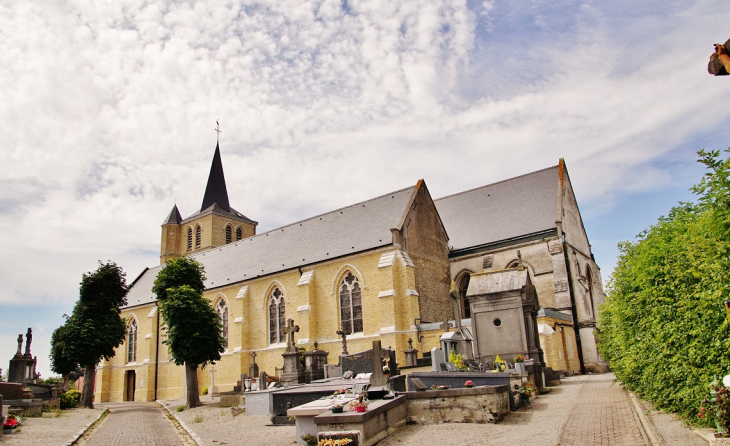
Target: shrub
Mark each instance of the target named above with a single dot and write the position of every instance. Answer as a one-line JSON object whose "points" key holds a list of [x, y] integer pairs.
{"points": [[204, 391], [664, 328], [70, 399]]}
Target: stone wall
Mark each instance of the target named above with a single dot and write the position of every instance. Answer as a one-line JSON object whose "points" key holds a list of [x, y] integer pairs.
{"points": [[476, 405]]}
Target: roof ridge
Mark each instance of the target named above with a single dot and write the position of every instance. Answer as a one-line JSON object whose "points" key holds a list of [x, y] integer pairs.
{"points": [[300, 221], [496, 182]]}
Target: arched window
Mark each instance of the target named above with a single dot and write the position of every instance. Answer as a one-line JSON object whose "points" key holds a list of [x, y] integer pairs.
{"points": [[462, 286], [222, 309], [190, 239], [132, 342], [197, 236], [228, 234], [277, 317], [351, 303], [239, 233], [513, 264]]}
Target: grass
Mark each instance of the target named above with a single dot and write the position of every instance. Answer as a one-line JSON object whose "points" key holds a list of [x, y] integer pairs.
{"points": [[198, 419]]}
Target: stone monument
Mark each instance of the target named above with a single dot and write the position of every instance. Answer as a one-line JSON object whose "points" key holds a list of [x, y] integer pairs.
{"points": [[314, 364], [253, 369], [411, 354], [293, 373], [213, 387], [22, 365]]}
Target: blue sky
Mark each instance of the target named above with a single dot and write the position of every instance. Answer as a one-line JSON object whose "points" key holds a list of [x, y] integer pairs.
{"points": [[108, 110]]}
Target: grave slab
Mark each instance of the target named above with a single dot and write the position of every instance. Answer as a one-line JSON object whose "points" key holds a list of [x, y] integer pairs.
{"points": [[382, 418]]}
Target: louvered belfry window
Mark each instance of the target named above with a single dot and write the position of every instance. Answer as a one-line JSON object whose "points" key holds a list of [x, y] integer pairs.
{"points": [[197, 237], [228, 234], [351, 303], [190, 239], [132, 342], [277, 316], [239, 234]]}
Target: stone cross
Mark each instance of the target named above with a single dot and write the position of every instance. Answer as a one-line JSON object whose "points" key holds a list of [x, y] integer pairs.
{"points": [[253, 357], [290, 330], [342, 332], [213, 388], [378, 379], [28, 340], [410, 343], [446, 325], [20, 344]]}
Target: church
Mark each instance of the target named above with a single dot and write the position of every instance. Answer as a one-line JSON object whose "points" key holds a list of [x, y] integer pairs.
{"points": [[381, 270]]}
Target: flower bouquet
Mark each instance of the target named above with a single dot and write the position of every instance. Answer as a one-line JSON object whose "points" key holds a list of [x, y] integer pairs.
{"points": [[469, 383], [11, 423], [334, 442], [358, 405], [519, 359]]}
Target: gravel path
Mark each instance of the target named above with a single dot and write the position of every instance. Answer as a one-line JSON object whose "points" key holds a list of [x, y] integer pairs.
{"points": [[52, 429]]}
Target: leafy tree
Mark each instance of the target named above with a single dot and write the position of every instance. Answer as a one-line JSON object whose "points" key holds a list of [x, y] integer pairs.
{"points": [[663, 327], [61, 362], [193, 327], [96, 327]]}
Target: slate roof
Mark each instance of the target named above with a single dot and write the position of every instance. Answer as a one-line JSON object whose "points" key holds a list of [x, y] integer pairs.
{"points": [[215, 190], [356, 228], [174, 218], [501, 211]]}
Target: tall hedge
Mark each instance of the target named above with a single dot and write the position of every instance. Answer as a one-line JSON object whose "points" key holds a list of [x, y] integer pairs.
{"points": [[664, 327]]}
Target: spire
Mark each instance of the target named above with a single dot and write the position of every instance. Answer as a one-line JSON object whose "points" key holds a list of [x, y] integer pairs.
{"points": [[174, 218], [215, 191]]}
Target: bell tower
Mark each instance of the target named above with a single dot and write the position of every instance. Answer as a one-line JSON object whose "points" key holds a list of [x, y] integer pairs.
{"points": [[215, 224]]}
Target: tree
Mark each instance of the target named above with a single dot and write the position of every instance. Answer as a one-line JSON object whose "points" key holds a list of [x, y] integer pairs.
{"points": [[96, 327], [664, 327], [193, 327], [61, 362]]}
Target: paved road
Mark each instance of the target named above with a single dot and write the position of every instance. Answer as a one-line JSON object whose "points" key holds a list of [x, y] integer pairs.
{"points": [[134, 423], [601, 415]]}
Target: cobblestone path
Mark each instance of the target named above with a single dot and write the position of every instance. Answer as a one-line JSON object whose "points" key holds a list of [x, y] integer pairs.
{"points": [[133, 423], [601, 415]]}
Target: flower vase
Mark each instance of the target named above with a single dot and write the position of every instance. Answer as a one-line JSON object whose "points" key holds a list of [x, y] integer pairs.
{"points": [[360, 408], [519, 367], [524, 400], [336, 410]]}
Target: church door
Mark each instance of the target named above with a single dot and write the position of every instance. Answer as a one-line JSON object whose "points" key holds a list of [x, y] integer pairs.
{"points": [[131, 380]]}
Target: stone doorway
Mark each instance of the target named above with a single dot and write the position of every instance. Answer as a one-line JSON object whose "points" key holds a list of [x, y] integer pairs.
{"points": [[130, 387]]}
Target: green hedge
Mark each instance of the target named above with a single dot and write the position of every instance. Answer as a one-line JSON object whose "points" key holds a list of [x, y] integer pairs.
{"points": [[70, 399], [664, 325]]}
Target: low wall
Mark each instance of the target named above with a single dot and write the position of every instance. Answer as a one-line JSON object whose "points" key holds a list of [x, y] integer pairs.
{"points": [[488, 404], [456, 380]]}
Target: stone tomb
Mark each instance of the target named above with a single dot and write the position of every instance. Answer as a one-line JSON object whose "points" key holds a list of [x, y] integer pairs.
{"points": [[456, 380], [504, 307], [22, 365], [282, 400], [363, 362], [482, 404], [382, 418]]}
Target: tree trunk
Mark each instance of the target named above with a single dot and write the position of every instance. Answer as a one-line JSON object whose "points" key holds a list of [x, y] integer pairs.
{"points": [[87, 394], [191, 378], [64, 385]]}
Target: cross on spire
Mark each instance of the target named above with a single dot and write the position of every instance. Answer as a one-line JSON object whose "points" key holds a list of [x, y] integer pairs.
{"points": [[218, 131]]}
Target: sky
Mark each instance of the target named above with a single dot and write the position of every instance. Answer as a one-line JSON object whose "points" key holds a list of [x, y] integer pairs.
{"points": [[108, 112]]}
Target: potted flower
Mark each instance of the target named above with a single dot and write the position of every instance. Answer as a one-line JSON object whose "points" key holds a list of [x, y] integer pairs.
{"points": [[526, 390], [519, 363], [386, 370], [358, 405], [499, 365], [469, 383], [337, 408]]}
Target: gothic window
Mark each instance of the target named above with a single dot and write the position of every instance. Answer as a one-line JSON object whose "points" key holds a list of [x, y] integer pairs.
{"points": [[190, 239], [222, 310], [277, 317], [513, 264], [463, 300], [351, 303], [589, 294], [132, 342], [197, 237], [228, 234], [239, 233]]}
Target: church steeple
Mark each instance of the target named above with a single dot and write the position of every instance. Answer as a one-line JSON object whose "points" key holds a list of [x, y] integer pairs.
{"points": [[215, 191], [174, 218]]}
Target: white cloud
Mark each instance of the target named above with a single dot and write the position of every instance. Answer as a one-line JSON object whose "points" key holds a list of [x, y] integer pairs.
{"points": [[108, 110]]}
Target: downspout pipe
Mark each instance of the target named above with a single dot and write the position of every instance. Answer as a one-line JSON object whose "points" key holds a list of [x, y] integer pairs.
{"points": [[157, 346]]}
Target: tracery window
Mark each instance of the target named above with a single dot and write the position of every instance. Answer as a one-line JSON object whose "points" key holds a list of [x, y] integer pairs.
{"points": [[197, 237], [190, 239], [132, 342], [351, 303], [239, 233], [222, 309], [228, 234], [277, 317]]}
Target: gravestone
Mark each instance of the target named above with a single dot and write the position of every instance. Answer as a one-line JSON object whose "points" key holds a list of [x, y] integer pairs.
{"points": [[314, 363], [411, 354], [293, 373], [378, 380], [437, 359], [363, 362], [332, 371], [213, 387], [253, 369]]}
